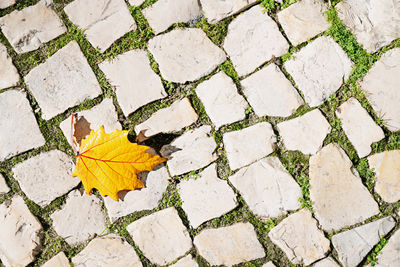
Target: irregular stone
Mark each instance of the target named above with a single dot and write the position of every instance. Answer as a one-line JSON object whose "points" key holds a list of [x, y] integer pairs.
{"points": [[389, 255], [161, 236], [249, 144], [191, 151], [374, 23], [305, 133], [216, 10], [270, 93], [253, 38], [382, 91], [7, 3], [45, 177], [319, 69], [353, 245], [18, 137], [299, 237], [27, 29], [80, 218], [103, 21], [186, 262], [207, 197], [269, 264], [303, 20], [136, 2], [338, 195], [267, 187], [185, 54], [20, 234], [386, 167], [327, 262], [109, 250], [59, 260], [8, 73], [3, 185], [63, 81], [221, 100], [229, 245], [359, 127]]}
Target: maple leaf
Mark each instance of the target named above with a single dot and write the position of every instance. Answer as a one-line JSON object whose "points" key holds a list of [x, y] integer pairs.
{"points": [[110, 163]]}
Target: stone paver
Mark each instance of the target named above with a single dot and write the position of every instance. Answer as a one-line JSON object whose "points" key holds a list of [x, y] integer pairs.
{"points": [[206, 197], [186, 262], [299, 237], [136, 2], [62, 81], [249, 144], [161, 236], [29, 28], [221, 100], [229, 245], [25, 135], [20, 233], [3, 185], [305, 133], [253, 38], [45, 177], [216, 10], [8, 73], [7, 3], [327, 262], [185, 54], [267, 187], [338, 195], [269, 264], [59, 260], [389, 255], [319, 69], [103, 21]]}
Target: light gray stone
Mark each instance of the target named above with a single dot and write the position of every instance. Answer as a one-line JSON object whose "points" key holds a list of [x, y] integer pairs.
{"points": [[59, 260], [305, 133], [29, 28], [20, 233], [62, 81], [389, 255], [7, 3], [19, 129], [161, 236], [186, 262], [8, 73], [221, 100], [185, 54], [216, 10], [338, 195], [45, 177], [319, 69], [327, 262], [3, 185], [81, 218], [136, 2], [104, 21], [270, 93], [253, 38], [229, 245], [269, 264], [136, 84], [299, 237], [249, 144], [267, 187]]}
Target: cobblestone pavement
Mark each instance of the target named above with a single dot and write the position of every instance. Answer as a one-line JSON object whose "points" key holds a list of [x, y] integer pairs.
{"points": [[280, 121]]}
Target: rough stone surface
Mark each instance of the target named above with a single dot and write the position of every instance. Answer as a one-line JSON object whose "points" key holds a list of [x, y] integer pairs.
{"points": [[221, 100], [270, 93], [20, 233], [267, 187], [62, 81], [381, 85], [3, 185], [8, 73], [386, 167], [253, 38], [305, 133], [229, 245], [374, 23], [136, 84], [109, 250], [206, 197], [319, 69], [186, 262], [45, 177], [353, 245], [59, 260], [338, 195], [161, 236], [81, 218], [7, 3], [299, 237], [390, 255], [18, 137], [103, 21], [216, 10], [185, 54], [136, 2], [327, 262]]}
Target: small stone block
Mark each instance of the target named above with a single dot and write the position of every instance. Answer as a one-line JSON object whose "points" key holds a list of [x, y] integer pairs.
{"points": [[216, 10], [3, 185], [59, 260], [186, 262], [8, 73]]}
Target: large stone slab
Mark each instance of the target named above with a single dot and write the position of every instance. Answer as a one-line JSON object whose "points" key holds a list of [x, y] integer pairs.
{"points": [[185, 54], [319, 69], [187, 261], [59, 260], [299, 237], [7, 3], [103, 21], [327, 262], [8, 73], [62, 81], [253, 38], [338, 195], [3, 185], [216, 10], [389, 255]]}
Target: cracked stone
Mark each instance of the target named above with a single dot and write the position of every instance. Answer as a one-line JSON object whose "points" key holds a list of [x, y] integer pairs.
{"points": [[59, 260], [389, 255], [327, 262], [8, 73], [186, 262], [216, 10], [6, 3], [3, 186]]}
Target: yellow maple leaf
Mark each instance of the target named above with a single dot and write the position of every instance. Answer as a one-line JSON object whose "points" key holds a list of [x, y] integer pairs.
{"points": [[110, 163]]}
